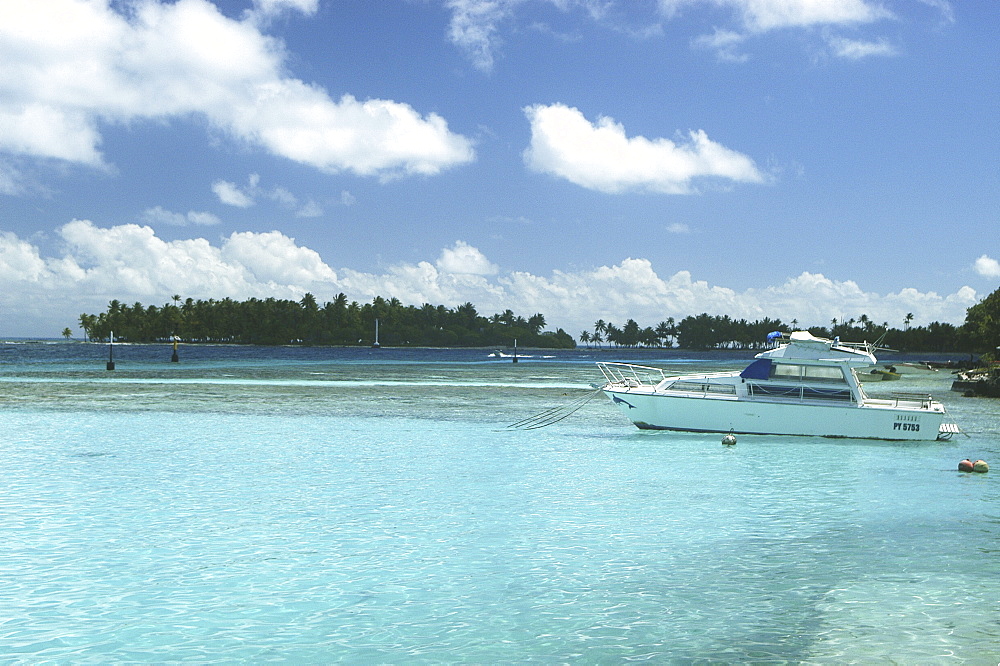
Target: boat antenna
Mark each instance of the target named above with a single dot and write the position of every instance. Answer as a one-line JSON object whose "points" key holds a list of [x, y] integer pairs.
{"points": [[877, 345]]}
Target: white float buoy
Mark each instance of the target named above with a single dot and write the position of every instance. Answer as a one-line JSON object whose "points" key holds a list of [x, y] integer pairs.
{"points": [[729, 439]]}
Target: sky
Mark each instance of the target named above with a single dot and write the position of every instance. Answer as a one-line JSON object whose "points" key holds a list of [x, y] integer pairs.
{"points": [[805, 160]]}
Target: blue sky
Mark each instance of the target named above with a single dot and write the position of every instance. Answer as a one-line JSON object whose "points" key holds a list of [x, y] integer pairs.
{"points": [[612, 159]]}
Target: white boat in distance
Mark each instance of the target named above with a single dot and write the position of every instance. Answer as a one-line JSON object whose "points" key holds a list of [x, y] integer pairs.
{"points": [[807, 386]]}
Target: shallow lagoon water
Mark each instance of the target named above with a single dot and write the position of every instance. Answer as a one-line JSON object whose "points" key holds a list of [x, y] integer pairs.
{"points": [[253, 504]]}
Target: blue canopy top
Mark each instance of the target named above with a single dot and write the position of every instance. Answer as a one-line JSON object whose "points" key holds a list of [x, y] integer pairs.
{"points": [[759, 369]]}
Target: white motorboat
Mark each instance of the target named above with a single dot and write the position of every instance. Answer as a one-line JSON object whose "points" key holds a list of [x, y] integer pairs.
{"points": [[913, 368], [806, 386]]}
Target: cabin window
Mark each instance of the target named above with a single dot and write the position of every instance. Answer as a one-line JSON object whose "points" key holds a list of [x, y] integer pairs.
{"points": [[699, 387], [774, 391], [785, 371], [800, 392], [823, 373], [810, 393], [809, 373]]}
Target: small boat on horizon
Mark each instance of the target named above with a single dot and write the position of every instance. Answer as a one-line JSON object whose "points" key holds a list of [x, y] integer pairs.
{"points": [[906, 367], [807, 386]]}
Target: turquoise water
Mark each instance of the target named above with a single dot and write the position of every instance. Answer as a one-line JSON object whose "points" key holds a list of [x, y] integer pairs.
{"points": [[370, 506]]}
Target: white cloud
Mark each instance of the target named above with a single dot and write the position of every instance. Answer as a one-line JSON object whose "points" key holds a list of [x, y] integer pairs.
{"points": [[987, 267], [763, 15], [63, 78], [601, 157], [632, 289], [477, 26], [11, 180], [269, 8], [245, 197], [19, 260], [944, 6], [309, 209], [772, 14], [725, 44], [42, 295], [275, 259], [474, 27], [465, 259], [201, 218], [284, 197], [679, 228], [374, 137], [231, 194], [159, 215], [856, 50], [758, 17]]}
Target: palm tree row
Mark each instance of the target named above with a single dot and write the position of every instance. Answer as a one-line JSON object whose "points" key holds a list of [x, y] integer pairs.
{"points": [[631, 335], [704, 331], [276, 322]]}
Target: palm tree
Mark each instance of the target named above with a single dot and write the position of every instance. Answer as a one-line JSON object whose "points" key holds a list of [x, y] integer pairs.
{"points": [[600, 327], [648, 337], [468, 314], [585, 337], [631, 333], [664, 331], [87, 323], [308, 302], [906, 320], [613, 333]]}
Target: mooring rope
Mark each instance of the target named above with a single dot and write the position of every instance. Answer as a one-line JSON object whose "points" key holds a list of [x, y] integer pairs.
{"points": [[554, 414]]}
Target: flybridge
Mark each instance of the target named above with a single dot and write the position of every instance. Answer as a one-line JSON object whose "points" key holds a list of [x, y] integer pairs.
{"points": [[803, 346]]}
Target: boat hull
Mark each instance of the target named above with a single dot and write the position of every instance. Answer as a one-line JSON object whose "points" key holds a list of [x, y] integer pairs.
{"points": [[649, 410]]}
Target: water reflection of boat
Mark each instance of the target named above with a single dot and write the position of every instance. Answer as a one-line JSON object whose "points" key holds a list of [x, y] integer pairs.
{"points": [[808, 386]]}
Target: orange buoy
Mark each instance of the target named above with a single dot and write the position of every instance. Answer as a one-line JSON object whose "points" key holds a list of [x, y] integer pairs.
{"points": [[980, 466], [965, 466]]}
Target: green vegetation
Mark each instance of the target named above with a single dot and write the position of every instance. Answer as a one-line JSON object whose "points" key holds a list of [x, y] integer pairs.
{"points": [[706, 331], [980, 333], [278, 322], [982, 326]]}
